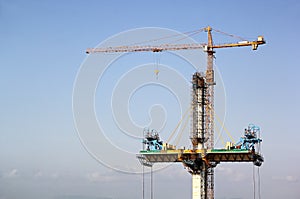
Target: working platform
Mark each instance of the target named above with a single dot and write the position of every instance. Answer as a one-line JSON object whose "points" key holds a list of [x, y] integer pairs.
{"points": [[214, 155]]}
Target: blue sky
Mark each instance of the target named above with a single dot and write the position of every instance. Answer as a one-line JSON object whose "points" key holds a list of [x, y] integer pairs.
{"points": [[43, 46]]}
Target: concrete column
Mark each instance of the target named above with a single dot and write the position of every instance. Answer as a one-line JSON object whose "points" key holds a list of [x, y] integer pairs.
{"points": [[196, 186]]}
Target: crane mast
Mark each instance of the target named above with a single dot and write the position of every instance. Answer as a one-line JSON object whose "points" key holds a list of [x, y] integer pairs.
{"points": [[201, 160], [209, 172]]}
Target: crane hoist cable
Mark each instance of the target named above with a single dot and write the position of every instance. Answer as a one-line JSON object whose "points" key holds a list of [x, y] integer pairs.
{"points": [[256, 183], [253, 178], [259, 146], [258, 171], [156, 58]]}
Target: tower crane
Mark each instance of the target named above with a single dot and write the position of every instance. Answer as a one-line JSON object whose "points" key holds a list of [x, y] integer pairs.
{"points": [[202, 158]]}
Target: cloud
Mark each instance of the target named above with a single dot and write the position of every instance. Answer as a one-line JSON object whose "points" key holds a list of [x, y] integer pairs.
{"points": [[38, 174], [291, 178], [98, 177], [11, 174], [287, 178], [80, 197], [233, 174], [225, 170], [55, 176], [173, 172]]}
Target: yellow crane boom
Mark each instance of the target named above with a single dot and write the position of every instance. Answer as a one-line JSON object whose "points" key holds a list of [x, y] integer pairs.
{"points": [[170, 47]]}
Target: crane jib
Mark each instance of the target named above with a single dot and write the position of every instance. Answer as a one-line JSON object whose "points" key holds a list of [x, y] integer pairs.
{"points": [[172, 47]]}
